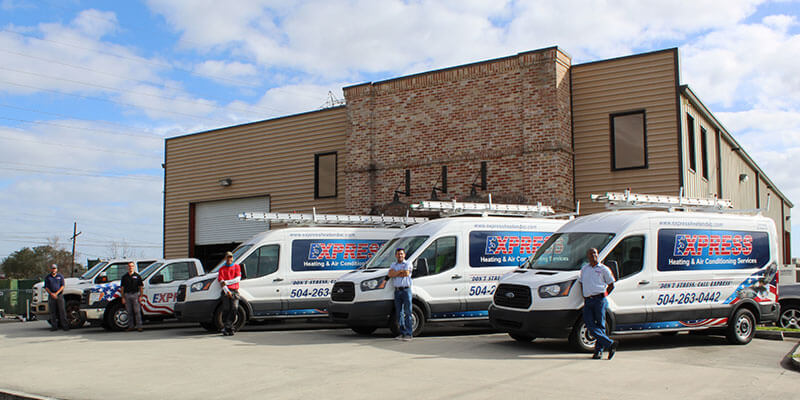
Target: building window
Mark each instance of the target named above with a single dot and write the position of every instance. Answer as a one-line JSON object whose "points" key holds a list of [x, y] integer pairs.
{"points": [[628, 140], [692, 151], [704, 152], [325, 183]]}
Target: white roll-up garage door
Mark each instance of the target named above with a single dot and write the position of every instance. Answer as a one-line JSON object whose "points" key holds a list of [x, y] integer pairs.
{"points": [[217, 222]]}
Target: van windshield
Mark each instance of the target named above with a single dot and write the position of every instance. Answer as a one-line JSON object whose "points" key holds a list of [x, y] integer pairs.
{"points": [[385, 256], [92, 272], [567, 251], [236, 254], [149, 270]]}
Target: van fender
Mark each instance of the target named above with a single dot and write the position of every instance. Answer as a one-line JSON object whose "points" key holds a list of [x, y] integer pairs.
{"points": [[750, 305], [421, 303], [611, 320], [248, 309]]}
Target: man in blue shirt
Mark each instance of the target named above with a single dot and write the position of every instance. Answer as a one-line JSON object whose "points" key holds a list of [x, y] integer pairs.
{"points": [[400, 273], [54, 285], [597, 282]]}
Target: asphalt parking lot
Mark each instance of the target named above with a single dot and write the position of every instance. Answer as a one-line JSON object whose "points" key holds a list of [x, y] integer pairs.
{"points": [[300, 360]]}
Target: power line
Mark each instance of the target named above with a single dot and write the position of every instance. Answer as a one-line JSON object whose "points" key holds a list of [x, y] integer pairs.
{"points": [[113, 101], [194, 102], [81, 128], [49, 143], [127, 127], [65, 171]]}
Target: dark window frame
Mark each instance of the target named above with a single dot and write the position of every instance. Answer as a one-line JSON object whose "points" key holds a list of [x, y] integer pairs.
{"points": [[644, 140], [704, 153], [335, 174], [690, 138]]}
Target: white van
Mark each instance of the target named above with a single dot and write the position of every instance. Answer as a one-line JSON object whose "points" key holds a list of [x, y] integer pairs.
{"points": [[676, 271], [457, 263], [285, 273]]}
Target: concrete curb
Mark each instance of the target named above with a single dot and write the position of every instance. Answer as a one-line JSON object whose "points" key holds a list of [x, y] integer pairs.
{"points": [[769, 335], [794, 357], [8, 394]]}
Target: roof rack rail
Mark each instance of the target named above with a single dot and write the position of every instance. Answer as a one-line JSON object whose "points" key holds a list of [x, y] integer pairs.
{"points": [[331, 219], [628, 200], [451, 208]]}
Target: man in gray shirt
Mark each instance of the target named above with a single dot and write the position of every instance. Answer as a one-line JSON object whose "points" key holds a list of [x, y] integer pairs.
{"points": [[597, 282], [400, 273]]}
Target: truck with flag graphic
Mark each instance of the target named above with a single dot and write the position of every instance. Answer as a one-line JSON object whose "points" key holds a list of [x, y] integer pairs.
{"points": [[102, 304], [680, 264]]}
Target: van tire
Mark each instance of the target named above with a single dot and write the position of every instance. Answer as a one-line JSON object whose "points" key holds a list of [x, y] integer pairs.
{"points": [[417, 319], [580, 339], [522, 338], [75, 318], [364, 330], [113, 318], [238, 322], [741, 328]]}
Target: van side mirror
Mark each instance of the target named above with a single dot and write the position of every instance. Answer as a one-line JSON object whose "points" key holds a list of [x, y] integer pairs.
{"points": [[420, 268], [157, 279], [614, 268], [101, 279]]}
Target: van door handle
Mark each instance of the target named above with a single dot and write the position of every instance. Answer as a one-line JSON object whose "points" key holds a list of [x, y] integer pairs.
{"points": [[456, 276], [644, 282], [278, 280]]}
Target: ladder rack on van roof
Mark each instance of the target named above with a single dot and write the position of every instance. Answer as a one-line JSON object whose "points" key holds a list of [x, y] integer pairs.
{"points": [[331, 219], [628, 200], [452, 208]]}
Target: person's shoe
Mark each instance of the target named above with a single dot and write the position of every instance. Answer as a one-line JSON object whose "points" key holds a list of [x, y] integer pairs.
{"points": [[597, 355], [65, 329], [399, 337], [224, 332], [140, 329], [407, 338], [612, 350], [129, 330], [53, 329]]}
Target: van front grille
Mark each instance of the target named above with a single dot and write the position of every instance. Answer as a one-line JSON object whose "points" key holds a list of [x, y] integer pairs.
{"points": [[343, 291], [513, 296]]}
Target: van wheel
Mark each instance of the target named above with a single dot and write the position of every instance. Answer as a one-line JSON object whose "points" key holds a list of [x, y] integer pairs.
{"points": [[417, 321], [741, 328], [238, 321], [581, 339], [74, 316], [116, 317], [363, 330], [521, 337], [790, 317]]}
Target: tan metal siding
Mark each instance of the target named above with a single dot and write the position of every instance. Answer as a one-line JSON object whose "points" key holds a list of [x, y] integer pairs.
{"points": [[603, 88], [270, 158], [743, 194], [694, 183], [773, 212]]}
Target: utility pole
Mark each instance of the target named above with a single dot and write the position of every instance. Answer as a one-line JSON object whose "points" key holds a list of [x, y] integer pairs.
{"points": [[75, 234]]}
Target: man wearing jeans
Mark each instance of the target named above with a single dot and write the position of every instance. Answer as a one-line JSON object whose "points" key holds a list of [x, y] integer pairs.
{"points": [[597, 282], [400, 273], [229, 276], [131, 288], [54, 285]]}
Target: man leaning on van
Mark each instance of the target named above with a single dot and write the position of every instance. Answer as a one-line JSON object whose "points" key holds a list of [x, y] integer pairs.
{"points": [[597, 282]]}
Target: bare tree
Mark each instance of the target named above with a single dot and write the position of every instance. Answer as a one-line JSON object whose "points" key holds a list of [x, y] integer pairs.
{"points": [[124, 250]]}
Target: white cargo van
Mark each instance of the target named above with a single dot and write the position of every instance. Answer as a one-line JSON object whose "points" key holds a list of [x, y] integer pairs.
{"points": [[457, 263], [287, 272], [687, 268]]}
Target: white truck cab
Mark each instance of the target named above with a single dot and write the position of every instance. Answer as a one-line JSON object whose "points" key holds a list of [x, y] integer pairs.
{"points": [[102, 304], [676, 270], [102, 272], [287, 272], [457, 263]]}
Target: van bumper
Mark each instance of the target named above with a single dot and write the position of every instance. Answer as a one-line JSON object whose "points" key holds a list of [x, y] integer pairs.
{"points": [[769, 312], [368, 313], [196, 311], [93, 314], [549, 324]]}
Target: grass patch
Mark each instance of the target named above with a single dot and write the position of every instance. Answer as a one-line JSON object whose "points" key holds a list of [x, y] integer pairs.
{"points": [[777, 328]]}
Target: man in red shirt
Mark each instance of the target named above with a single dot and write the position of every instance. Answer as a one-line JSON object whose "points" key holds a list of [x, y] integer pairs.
{"points": [[229, 276]]}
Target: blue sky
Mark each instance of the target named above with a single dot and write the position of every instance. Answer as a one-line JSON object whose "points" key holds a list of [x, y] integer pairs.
{"points": [[89, 89]]}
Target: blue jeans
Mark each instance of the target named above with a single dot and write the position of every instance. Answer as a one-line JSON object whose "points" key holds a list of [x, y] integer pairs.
{"points": [[402, 307], [594, 315]]}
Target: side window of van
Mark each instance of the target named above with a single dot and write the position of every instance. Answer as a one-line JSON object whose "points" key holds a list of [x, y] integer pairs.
{"points": [[629, 255], [441, 255], [177, 272], [263, 261]]}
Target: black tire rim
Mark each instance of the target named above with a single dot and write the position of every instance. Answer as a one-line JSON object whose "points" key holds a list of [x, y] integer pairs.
{"points": [[120, 318], [790, 318]]}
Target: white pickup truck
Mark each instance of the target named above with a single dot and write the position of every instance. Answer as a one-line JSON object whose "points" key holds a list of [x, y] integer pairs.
{"points": [[102, 272], [102, 304]]}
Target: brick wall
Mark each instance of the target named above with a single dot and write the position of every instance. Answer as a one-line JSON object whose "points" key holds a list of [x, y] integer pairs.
{"points": [[512, 112]]}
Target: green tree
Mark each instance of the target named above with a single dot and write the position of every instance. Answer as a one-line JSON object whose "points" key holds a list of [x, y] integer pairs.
{"points": [[28, 263]]}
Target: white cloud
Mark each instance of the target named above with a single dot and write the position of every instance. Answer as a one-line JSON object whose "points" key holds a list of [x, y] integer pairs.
{"points": [[228, 72]]}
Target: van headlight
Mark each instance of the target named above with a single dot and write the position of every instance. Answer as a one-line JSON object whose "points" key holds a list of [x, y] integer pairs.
{"points": [[202, 285], [373, 284], [556, 289]]}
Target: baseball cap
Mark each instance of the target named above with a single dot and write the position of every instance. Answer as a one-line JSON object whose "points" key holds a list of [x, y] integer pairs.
{"points": [[53, 266]]}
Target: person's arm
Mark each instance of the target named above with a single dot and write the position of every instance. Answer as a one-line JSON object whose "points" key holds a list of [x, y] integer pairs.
{"points": [[122, 289], [610, 279], [141, 287]]}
